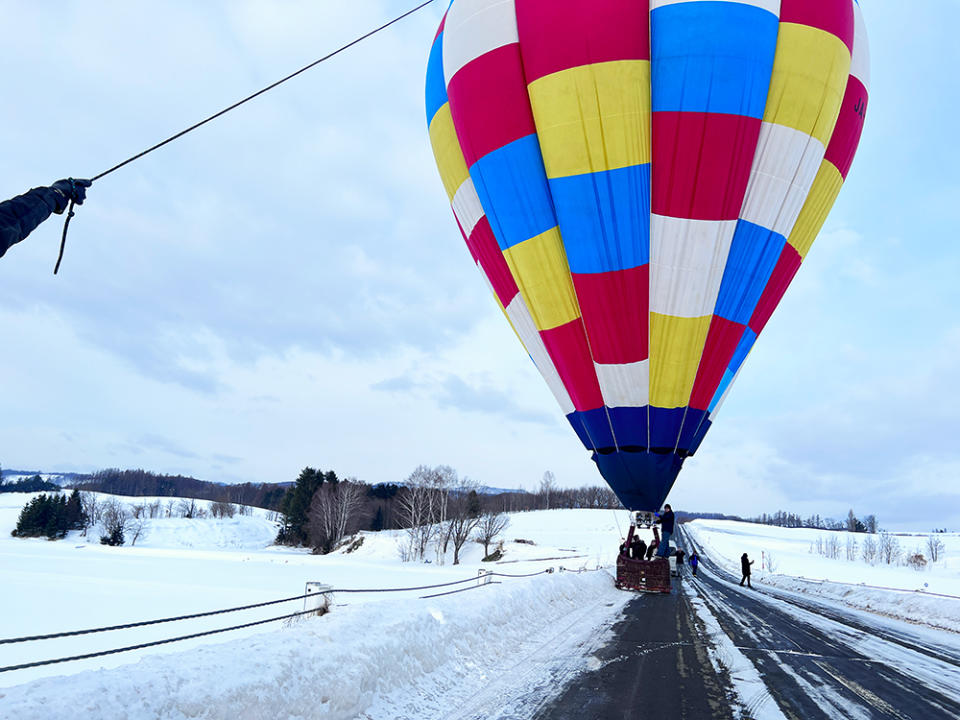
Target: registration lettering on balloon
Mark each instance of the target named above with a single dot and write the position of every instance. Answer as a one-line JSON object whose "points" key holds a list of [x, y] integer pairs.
{"points": [[639, 183]]}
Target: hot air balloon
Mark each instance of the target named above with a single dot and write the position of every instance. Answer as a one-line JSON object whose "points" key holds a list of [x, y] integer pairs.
{"points": [[639, 182]]}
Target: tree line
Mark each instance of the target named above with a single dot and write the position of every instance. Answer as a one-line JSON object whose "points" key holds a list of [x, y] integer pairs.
{"points": [[140, 483], [28, 485], [51, 516], [881, 548], [439, 510], [852, 523]]}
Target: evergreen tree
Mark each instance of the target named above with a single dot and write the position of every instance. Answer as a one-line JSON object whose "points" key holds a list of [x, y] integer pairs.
{"points": [[296, 504], [55, 525], [44, 516], [75, 517], [473, 504], [377, 524], [115, 537]]}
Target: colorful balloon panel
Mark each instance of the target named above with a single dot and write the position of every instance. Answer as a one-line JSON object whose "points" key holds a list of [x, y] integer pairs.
{"points": [[639, 183]]}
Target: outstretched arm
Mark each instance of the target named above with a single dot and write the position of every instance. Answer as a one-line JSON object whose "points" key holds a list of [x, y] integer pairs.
{"points": [[21, 215]]}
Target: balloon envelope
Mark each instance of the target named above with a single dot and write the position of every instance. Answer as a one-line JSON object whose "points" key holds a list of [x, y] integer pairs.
{"points": [[639, 183]]}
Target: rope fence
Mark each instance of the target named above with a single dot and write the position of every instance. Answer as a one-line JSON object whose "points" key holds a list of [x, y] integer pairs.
{"points": [[72, 633]]}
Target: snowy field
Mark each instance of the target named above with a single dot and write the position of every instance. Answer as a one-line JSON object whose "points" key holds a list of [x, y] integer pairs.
{"points": [[894, 590], [379, 654], [383, 655]]}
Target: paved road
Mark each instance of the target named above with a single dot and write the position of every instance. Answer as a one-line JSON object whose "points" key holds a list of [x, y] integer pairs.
{"points": [[821, 661], [815, 661], [657, 667]]}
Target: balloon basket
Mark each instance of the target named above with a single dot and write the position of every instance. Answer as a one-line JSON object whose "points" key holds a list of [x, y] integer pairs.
{"points": [[643, 575]]}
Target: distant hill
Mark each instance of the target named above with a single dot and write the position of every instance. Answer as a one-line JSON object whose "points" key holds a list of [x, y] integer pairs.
{"points": [[64, 479], [140, 483], [487, 490]]}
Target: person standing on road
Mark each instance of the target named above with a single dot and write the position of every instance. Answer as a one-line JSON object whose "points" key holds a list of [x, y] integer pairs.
{"points": [[694, 561], [680, 556], [745, 564], [666, 528]]}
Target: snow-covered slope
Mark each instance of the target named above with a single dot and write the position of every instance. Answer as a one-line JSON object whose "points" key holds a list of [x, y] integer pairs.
{"points": [[374, 655]]}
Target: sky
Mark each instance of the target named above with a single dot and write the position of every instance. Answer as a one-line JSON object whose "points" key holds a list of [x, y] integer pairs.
{"points": [[286, 286]]}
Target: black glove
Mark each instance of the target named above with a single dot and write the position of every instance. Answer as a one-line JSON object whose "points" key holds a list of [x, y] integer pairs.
{"points": [[72, 189]]}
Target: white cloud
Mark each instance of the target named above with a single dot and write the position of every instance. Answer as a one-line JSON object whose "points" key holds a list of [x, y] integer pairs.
{"points": [[287, 286]]}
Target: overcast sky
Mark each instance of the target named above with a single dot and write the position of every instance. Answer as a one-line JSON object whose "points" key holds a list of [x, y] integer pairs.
{"points": [[287, 286]]}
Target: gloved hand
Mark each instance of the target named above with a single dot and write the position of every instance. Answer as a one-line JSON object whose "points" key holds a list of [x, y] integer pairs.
{"points": [[66, 190], [73, 189]]}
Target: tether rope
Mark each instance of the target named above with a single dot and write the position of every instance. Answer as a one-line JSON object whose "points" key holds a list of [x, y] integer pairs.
{"points": [[260, 92], [235, 105]]}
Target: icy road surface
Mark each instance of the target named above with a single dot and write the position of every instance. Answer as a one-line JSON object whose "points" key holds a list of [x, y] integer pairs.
{"points": [[816, 659]]}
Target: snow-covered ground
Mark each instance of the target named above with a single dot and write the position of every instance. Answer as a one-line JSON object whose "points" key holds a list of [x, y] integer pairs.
{"points": [[788, 558], [380, 654], [384, 655]]}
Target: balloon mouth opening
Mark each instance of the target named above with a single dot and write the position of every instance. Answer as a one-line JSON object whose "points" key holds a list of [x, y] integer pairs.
{"points": [[679, 452]]}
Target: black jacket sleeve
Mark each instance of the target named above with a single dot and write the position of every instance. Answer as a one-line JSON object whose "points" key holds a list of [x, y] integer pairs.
{"points": [[21, 215]]}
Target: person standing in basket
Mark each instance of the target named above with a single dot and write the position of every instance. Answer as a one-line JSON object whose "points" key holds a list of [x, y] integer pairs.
{"points": [[666, 530]]}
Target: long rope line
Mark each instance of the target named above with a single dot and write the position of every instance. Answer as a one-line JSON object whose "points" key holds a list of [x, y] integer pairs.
{"points": [[261, 92], [66, 224], [86, 656], [191, 636], [127, 626]]}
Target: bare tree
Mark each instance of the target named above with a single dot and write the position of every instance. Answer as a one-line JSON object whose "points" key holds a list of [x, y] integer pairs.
{"points": [[188, 508], [934, 548], [491, 524], [91, 508], [463, 517], [869, 550], [220, 509], [414, 507], [547, 486], [333, 507], [114, 519], [851, 547], [135, 528], [888, 548], [443, 480], [833, 547]]}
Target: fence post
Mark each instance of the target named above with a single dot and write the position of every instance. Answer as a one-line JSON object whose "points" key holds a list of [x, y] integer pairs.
{"points": [[318, 597]]}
